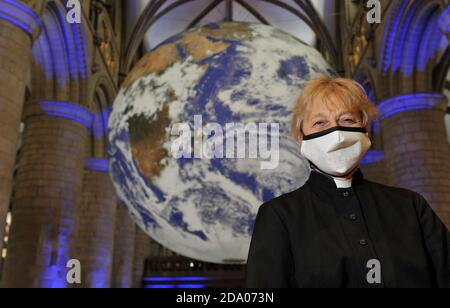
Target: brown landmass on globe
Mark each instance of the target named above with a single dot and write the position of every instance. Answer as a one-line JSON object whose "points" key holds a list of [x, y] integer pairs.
{"points": [[148, 135], [195, 44], [147, 142]]}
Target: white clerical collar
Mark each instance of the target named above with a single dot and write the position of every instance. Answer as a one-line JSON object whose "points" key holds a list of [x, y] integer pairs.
{"points": [[341, 183]]}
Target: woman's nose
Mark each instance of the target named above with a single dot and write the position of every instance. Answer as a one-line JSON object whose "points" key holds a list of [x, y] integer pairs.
{"points": [[334, 123], [341, 137], [341, 142]]}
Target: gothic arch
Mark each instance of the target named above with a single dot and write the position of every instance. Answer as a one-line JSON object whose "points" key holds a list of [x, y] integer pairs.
{"points": [[100, 106], [367, 80], [365, 77], [441, 71], [410, 46], [60, 69]]}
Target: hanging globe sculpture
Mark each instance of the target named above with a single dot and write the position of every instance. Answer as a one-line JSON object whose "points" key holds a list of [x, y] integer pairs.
{"points": [[218, 75]]}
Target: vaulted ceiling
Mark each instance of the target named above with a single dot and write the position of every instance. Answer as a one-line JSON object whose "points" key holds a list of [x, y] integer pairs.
{"points": [[153, 21], [181, 17]]}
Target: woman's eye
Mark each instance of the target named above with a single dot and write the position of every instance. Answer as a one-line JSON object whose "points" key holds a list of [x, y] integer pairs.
{"points": [[319, 123], [349, 121]]}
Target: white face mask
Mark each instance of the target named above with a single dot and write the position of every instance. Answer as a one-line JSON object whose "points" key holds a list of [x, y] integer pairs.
{"points": [[336, 151]]}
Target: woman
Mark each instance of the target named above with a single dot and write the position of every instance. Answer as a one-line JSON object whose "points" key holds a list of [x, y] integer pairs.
{"points": [[340, 230]]}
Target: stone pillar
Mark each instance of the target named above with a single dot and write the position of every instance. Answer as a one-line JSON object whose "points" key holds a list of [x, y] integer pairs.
{"points": [[416, 147], [19, 26], [142, 244], [95, 236], [48, 190], [123, 249], [374, 168]]}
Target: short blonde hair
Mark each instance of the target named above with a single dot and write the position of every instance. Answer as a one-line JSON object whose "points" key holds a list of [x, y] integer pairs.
{"points": [[332, 90]]}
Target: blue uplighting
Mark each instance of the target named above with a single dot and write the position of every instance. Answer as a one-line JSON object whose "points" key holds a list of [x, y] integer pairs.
{"points": [[390, 34], [97, 164], [20, 15], [190, 286], [175, 286], [431, 38], [54, 277], [408, 102], [401, 40], [99, 277], [15, 22], [372, 157], [79, 41], [413, 35], [58, 252], [444, 20], [175, 279], [376, 127], [176, 282], [68, 111], [160, 286], [66, 61], [24, 8], [100, 124], [69, 41]]}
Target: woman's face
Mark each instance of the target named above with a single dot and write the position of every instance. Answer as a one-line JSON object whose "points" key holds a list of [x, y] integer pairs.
{"points": [[322, 116]]}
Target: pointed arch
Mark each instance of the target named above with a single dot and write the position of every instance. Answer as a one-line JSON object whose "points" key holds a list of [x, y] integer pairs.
{"points": [[412, 45], [100, 106], [60, 69]]}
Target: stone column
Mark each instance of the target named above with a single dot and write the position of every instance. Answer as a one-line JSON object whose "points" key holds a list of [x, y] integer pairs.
{"points": [[95, 236], [373, 167], [19, 26], [142, 244], [416, 147], [48, 189], [123, 249]]}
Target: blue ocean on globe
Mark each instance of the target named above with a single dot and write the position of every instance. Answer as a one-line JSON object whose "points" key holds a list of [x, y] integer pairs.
{"points": [[228, 73]]}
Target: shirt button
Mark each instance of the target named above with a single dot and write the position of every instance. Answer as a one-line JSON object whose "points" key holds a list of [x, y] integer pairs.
{"points": [[345, 193], [363, 242], [353, 217]]}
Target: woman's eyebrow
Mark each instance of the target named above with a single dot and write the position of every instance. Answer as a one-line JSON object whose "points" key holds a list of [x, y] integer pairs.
{"points": [[319, 115], [347, 113]]}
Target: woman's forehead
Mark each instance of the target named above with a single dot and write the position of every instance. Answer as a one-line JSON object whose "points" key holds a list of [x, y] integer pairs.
{"points": [[330, 108]]}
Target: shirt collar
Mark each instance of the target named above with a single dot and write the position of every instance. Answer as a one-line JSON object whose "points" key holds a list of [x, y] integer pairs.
{"points": [[324, 183], [340, 183]]}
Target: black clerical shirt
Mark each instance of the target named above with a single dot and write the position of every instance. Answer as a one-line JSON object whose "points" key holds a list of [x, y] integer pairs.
{"points": [[324, 236]]}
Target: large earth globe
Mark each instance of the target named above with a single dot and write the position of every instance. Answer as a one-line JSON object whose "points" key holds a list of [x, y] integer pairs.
{"points": [[204, 206]]}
